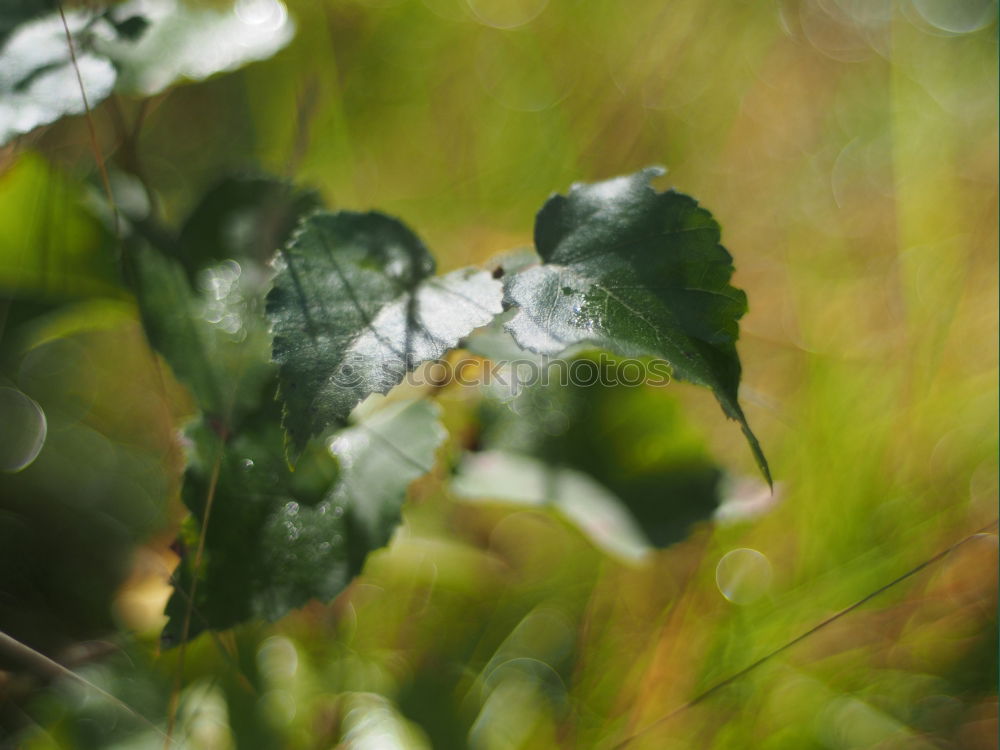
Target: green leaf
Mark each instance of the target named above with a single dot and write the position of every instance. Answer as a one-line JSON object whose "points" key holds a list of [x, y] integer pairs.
{"points": [[216, 339], [379, 458], [355, 307], [638, 273], [278, 538], [271, 542], [38, 82]]}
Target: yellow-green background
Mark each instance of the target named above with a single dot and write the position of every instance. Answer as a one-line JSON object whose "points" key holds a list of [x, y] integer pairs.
{"points": [[849, 150]]}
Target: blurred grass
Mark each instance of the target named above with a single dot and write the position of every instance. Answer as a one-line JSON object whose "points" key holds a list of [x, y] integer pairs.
{"points": [[849, 150]]}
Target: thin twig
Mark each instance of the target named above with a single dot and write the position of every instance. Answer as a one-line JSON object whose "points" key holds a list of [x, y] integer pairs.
{"points": [[816, 628], [95, 147], [189, 609]]}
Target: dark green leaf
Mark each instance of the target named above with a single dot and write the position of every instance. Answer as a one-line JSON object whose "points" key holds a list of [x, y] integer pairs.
{"points": [[242, 217], [354, 307], [638, 273], [271, 543], [277, 538]]}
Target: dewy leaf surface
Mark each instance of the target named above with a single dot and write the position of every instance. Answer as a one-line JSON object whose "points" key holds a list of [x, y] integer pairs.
{"points": [[278, 538], [354, 307], [638, 273]]}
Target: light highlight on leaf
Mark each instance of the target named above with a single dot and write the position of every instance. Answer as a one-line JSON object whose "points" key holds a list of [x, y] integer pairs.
{"points": [[354, 307]]}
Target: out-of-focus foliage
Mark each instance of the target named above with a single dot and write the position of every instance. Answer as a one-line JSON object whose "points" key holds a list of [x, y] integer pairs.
{"points": [[849, 151], [51, 247], [139, 47], [594, 428], [39, 80], [242, 217]]}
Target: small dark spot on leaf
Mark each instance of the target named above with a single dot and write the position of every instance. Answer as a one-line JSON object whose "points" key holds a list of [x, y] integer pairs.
{"points": [[132, 28]]}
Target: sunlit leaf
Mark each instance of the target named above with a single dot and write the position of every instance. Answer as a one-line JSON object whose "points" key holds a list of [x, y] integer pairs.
{"points": [[355, 306], [638, 273], [187, 41], [139, 47], [371, 720], [38, 82]]}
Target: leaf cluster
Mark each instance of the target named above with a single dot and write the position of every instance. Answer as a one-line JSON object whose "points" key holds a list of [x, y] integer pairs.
{"points": [[284, 320], [280, 516]]}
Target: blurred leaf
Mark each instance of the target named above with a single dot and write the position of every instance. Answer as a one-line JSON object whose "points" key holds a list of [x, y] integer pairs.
{"points": [[371, 720], [38, 82], [638, 273], [524, 480], [216, 340], [138, 48], [51, 246], [355, 307], [278, 538], [185, 41], [633, 442], [272, 541], [242, 217]]}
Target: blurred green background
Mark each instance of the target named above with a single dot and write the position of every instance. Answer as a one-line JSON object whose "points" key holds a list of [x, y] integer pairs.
{"points": [[849, 150]]}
